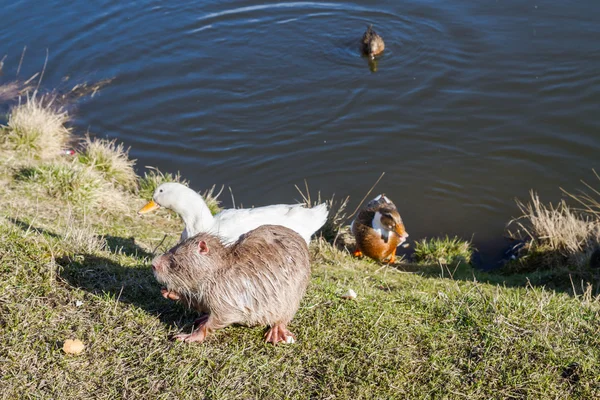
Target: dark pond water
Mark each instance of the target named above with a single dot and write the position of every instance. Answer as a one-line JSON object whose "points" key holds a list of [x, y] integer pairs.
{"points": [[473, 103]]}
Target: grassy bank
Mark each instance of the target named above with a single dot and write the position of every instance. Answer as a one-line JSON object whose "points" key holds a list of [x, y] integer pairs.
{"points": [[74, 263]]}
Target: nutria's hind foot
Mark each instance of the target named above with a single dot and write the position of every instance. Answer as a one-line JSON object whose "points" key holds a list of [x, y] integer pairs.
{"points": [[279, 333], [199, 333]]}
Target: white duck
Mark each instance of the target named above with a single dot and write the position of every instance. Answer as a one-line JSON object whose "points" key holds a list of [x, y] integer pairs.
{"points": [[230, 224]]}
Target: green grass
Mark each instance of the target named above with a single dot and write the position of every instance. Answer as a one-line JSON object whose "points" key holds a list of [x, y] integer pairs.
{"points": [[405, 336], [413, 332], [66, 181], [437, 329], [446, 251]]}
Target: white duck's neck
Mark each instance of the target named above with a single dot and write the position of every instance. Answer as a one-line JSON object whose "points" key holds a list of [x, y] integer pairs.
{"points": [[193, 211]]}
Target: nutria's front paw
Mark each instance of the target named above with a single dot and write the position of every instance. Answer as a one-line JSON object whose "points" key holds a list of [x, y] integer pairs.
{"points": [[167, 294]]}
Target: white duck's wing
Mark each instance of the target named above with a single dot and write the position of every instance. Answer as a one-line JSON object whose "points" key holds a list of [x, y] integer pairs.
{"points": [[231, 223]]}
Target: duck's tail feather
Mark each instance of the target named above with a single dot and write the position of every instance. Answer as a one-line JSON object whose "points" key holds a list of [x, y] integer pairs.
{"points": [[311, 219]]}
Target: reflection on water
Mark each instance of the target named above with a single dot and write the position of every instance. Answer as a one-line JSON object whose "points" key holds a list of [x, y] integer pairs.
{"points": [[372, 64], [472, 103]]}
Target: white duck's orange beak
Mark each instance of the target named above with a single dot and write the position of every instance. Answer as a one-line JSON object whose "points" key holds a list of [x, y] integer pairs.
{"points": [[151, 206]]}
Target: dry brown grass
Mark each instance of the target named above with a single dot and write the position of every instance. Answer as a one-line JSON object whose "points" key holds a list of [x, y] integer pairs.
{"points": [[36, 128], [558, 230], [212, 199], [111, 160], [11, 90], [588, 198], [337, 213], [80, 237]]}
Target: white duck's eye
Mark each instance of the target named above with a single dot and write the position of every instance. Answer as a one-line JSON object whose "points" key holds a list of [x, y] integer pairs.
{"points": [[160, 191]]}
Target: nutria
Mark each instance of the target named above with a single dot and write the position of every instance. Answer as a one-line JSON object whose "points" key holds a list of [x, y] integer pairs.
{"points": [[259, 280]]}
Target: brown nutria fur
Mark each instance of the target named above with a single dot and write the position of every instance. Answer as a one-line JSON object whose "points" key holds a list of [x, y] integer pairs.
{"points": [[259, 280]]}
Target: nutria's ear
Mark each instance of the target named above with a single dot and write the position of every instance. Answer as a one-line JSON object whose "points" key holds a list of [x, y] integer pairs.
{"points": [[202, 247]]}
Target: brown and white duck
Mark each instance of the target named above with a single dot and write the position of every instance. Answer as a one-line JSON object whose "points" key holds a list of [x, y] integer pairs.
{"points": [[372, 43], [378, 230]]}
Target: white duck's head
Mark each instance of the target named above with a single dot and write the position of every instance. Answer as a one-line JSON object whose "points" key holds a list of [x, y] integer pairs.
{"points": [[179, 198], [168, 195], [190, 206]]}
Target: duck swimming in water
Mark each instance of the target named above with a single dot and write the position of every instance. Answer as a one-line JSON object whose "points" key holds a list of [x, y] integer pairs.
{"points": [[378, 230], [372, 43]]}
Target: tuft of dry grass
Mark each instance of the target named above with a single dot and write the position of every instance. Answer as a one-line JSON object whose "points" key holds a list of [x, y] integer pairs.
{"points": [[589, 199], [336, 217], [12, 90], [80, 237], [560, 232], [77, 236], [212, 199], [111, 160], [37, 128]]}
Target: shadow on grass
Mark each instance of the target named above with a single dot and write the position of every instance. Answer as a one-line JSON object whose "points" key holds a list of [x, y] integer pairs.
{"points": [[26, 227], [103, 276], [133, 285], [126, 246], [572, 281], [114, 244], [515, 269]]}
